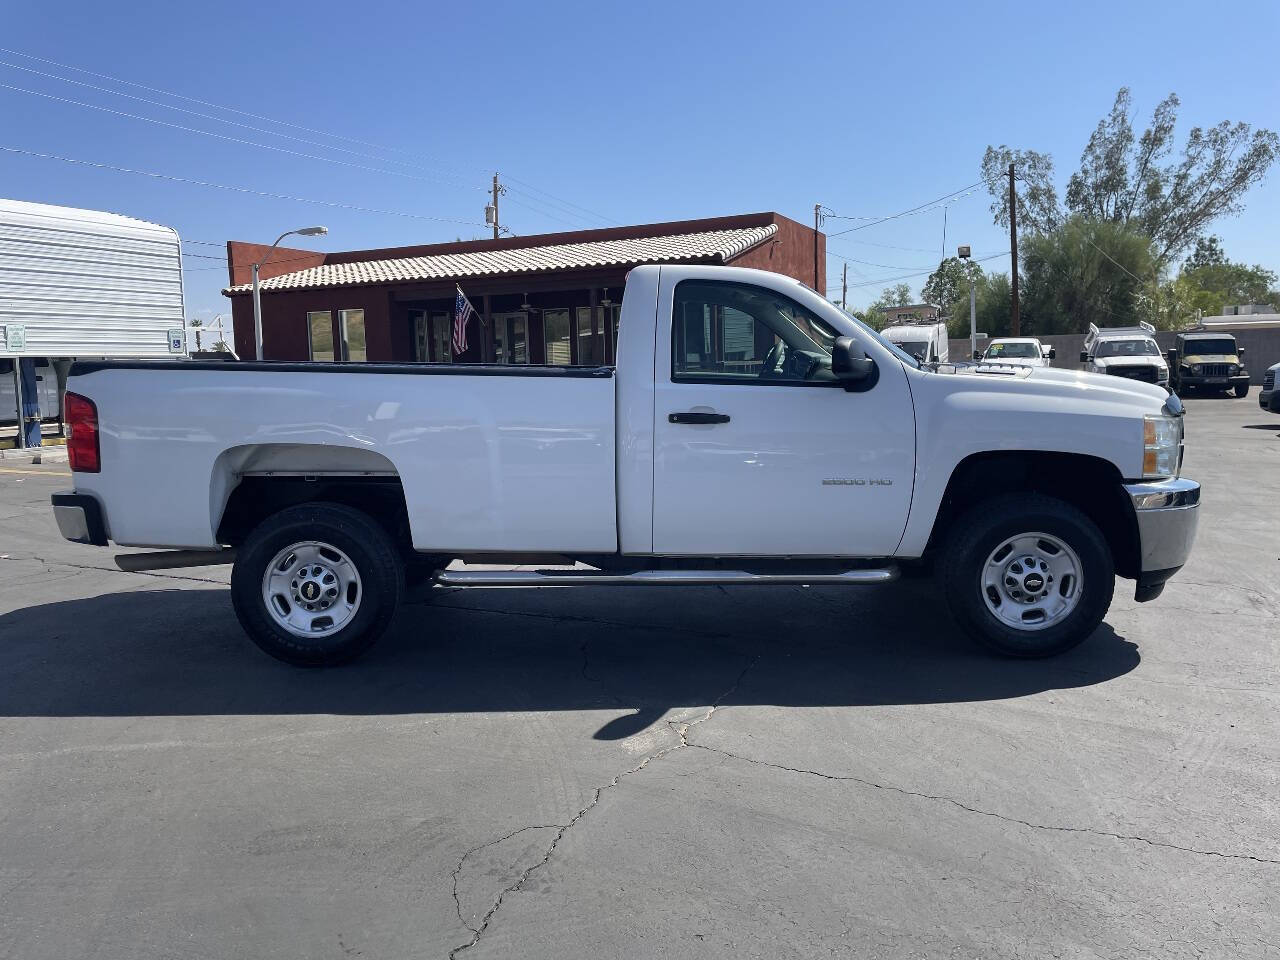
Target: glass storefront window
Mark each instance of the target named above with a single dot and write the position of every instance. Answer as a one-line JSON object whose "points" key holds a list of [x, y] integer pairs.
{"points": [[320, 335], [353, 345], [555, 332], [442, 337], [588, 340], [511, 338]]}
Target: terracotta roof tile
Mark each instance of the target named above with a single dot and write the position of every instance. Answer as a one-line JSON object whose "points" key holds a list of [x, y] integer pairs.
{"points": [[718, 245]]}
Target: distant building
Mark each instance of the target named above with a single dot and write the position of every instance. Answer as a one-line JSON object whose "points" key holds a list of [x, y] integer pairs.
{"points": [[1249, 310], [912, 312], [548, 299]]}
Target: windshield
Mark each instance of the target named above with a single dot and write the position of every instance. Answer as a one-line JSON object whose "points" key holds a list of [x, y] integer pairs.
{"points": [[1204, 348], [1127, 348], [1023, 351], [916, 348]]}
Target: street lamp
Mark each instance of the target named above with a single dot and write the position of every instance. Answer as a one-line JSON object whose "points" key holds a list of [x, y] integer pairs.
{"points": [[964, 253], [257, 297]]}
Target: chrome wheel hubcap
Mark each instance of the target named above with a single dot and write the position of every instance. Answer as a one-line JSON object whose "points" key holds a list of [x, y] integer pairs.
{"points": [[311, 589], [1031, 581]]}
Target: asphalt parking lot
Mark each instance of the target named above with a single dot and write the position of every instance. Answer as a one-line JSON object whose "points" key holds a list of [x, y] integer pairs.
{"points": [[770, 772]]}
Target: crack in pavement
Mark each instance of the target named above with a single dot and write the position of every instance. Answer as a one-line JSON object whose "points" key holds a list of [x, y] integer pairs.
{"points": [[891, 788], [84, 566], [682, 731]]}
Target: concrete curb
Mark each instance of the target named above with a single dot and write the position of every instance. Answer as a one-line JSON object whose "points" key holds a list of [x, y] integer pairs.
{"points": [[50, 454]]}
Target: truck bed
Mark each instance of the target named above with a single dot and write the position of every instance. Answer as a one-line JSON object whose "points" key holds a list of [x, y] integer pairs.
{"points": [[489, 457]]}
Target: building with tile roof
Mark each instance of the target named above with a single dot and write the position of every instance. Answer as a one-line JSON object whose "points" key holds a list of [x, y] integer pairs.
{"points": [[546, 299]]}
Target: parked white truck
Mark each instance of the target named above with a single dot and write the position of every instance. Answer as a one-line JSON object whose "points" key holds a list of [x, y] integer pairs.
{"points": [[834, 460]]}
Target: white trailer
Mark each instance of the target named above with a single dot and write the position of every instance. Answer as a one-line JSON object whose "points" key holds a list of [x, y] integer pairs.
{"points": [[84, 284]]}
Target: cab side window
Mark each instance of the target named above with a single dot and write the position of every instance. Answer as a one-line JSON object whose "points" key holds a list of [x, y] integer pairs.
{"points": [[739, 333]]}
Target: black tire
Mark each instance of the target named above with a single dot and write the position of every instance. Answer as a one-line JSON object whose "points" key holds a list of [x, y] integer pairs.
{"points": [[980, 531], [1242, 389], [370, 551]]}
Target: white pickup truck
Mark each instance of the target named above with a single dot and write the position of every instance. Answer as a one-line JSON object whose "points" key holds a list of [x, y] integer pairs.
{"points": [[813, 452]]}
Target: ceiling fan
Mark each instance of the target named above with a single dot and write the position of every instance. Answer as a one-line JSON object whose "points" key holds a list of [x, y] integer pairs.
{"points": [[527, 307]]}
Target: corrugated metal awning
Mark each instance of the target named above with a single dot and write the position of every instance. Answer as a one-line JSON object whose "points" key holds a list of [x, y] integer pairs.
{"points": [[715, 245]]}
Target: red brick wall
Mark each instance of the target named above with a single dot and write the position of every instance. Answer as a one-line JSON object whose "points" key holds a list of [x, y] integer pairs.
{"points": [[791, 255], [285, 335], [242, 256]]}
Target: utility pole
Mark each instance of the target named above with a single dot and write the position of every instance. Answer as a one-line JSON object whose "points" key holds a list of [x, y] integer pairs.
{"points": [[491, 213], [817, 216], [844, 287], [1013, 253]]}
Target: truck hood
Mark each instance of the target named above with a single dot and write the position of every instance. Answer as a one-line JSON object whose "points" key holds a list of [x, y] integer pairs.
{"points": [[1017, 362], [1209, 358], [1143, 360], [1055, 382]]}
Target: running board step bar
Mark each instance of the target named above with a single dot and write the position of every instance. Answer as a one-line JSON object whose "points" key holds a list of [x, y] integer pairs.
{"points": [[655, 578]]}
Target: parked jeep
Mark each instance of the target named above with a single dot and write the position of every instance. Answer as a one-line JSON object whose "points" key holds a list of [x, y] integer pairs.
{"points": [[1209, 361]]}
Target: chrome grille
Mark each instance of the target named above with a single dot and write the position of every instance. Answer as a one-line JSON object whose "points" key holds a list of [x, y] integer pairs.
{"points": [[1269, 380]]}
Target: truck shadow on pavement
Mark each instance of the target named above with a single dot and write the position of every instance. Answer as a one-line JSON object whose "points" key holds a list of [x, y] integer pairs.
{"points": [[641, 650]]}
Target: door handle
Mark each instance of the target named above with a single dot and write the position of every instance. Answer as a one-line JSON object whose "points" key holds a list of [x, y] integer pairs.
{"points": [[695, 417]]}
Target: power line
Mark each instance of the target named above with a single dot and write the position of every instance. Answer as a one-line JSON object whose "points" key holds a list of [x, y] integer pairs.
{"points": [[218, 106], [887, 266], [908, 276], [919, 208], [549, 216], [215, 118], [266, 119], [236, 189], [218, 136], [568, 203]]}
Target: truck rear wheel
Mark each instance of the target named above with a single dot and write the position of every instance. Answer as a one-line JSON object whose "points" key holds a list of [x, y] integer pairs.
{"points": [[1028, 575], [315, 585]]}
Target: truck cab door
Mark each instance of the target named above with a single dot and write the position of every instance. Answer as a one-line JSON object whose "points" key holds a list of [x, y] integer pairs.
{"points": [[758, 449]]}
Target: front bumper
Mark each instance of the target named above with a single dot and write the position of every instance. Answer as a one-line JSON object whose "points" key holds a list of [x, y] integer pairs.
{"points": [[1167, 512], [1217, 383], [79, 518], [1269, 400]]}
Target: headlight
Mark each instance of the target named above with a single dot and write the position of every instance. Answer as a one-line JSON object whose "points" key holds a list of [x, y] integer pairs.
{"points": [[1161, 437], [1233, 369]]}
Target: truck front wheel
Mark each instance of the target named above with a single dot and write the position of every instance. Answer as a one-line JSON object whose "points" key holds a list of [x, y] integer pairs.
{"points": [[315, 585], [1028, 575]]}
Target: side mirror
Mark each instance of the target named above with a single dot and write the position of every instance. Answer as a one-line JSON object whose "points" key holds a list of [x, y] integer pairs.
{"points": [[1240, 353], [977, 354], [1084, 356], [1172, 357], [850, 364], [1053, 353]]}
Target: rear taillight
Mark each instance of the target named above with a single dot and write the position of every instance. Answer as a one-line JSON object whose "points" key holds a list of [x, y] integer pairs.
{"points": [[82, 446]]}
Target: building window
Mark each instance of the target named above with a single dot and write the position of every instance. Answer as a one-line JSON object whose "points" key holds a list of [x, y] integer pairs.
{"points": [[588, 341], [511, 337], [555, 331], [613, 313], [353, 347], [320, 335], [442, 337], [432, 336]]}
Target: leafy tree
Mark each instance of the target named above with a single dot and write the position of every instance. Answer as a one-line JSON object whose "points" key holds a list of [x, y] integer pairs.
{"points": [[1038, 210], [1131, 181], [1086, 271], [1208, 253], [948, 287]]}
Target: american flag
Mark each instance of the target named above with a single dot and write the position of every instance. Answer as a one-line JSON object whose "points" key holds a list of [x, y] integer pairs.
{"points": [[462, 311]]}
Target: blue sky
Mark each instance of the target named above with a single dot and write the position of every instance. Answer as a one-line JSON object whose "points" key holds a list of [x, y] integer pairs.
{"points": [[635, 113]]}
